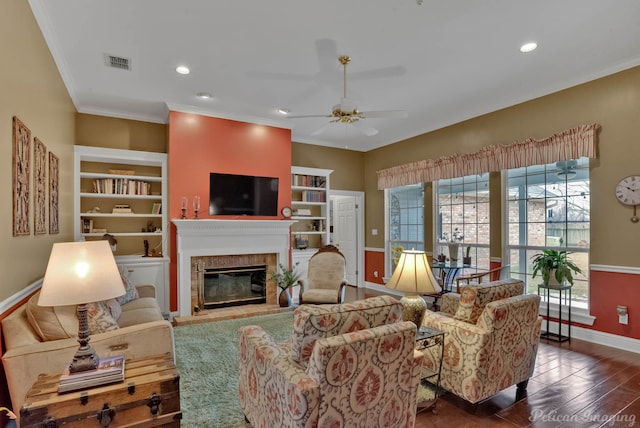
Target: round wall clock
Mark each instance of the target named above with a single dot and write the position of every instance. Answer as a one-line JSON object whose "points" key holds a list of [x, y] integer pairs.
{"points": [[628, 190], [628, 193], [286, 212]]}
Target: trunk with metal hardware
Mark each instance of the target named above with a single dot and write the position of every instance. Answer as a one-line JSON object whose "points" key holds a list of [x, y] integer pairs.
{"points": [[149, 396]]}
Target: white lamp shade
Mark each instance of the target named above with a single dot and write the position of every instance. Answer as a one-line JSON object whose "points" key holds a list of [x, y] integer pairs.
{"points": [[80, 272], [413, 274]]}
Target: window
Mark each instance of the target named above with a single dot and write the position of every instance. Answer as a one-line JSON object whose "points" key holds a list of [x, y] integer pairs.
{"points": [[463, 210], [405, 221], [548, 207]]}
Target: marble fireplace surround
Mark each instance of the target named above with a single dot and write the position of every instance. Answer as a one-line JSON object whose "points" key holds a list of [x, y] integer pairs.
{"points": [[204, 238]]}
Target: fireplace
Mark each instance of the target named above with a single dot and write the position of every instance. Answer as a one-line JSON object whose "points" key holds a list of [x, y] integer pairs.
{"points": [[223, 287], [211, 244]]}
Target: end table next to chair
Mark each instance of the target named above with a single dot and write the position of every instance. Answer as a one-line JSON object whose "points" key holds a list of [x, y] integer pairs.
{"points": [[426, 338], [563, 290]]}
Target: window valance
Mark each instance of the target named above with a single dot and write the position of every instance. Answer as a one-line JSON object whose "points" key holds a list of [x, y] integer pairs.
{"points": [[570, 144]]}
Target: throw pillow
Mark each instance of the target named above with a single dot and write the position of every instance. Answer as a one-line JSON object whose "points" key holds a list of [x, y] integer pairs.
{"points": [[131, 292], [99, 318], [114, 308], [52, 323]]}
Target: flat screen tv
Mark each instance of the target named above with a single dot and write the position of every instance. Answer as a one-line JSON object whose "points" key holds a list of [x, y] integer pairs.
{"points": [[239, 195]]}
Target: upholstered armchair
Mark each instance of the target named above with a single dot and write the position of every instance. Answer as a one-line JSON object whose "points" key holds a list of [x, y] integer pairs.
{"points": [[492, 333], [348, 365], [325, 281]]}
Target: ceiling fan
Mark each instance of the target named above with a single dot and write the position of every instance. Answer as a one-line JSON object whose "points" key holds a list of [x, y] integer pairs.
{"points": [[347, 112]]}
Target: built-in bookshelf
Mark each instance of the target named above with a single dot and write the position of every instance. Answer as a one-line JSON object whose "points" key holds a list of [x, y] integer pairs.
{"points": [[123, 193], [310, 205]]}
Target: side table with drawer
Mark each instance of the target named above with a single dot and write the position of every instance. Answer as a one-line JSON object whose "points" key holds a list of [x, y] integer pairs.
{"points": [[149, 396]]}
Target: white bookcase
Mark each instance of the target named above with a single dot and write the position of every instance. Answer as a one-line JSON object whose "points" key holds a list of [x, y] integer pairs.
{"points": [[124, 193], [310, 190]]}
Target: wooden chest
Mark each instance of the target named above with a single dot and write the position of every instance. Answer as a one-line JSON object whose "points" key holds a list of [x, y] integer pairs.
{"points": [[148, 397]]}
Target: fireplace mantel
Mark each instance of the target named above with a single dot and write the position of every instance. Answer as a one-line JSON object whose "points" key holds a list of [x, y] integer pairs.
{"points": [[212, 237]]}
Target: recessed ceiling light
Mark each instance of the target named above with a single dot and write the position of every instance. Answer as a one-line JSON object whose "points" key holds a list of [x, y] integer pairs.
{"points": [[204, 95], [528, 47], [284, 111], [182, 69]]}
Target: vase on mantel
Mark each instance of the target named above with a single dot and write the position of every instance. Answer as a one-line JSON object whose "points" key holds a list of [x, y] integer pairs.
{"points": [[453, 251]]}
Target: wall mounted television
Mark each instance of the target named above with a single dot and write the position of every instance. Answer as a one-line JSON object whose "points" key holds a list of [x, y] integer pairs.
{"points": [[242, 195]]}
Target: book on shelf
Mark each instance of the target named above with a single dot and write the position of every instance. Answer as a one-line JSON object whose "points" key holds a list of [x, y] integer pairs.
{"points": [[121, 186], [157, 208], [110, 370]]}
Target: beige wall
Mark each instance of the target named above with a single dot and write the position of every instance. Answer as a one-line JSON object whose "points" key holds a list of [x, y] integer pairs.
{"points": [[347, 165], [102, 131], [32, 90], [613, 102]]}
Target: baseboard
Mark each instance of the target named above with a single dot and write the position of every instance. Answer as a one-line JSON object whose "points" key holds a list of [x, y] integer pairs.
{"points": [[588, 335]]}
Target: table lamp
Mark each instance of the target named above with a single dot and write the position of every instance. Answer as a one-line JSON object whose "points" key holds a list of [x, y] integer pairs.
{"points": [[79, 273], [413, 276]]}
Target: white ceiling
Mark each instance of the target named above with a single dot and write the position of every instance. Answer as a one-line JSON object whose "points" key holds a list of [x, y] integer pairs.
{"points": [[441, 61]]}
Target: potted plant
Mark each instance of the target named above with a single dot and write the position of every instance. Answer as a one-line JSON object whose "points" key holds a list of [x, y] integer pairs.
{"points": [[285, 278], [555, 267], [453, 242]]}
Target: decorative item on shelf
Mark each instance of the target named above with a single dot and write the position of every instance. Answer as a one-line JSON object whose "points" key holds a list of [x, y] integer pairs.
{"points": [[302, 243], [113, 242], [284, 279], [79, 273], [156, 208], [413, 276], [122, 209], [196, 206], [555, 267], [94, 210], [466, 260], [184, 203]]}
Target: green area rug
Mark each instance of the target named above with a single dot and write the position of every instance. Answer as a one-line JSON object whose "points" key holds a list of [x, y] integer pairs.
{"points": [[206, 357]]}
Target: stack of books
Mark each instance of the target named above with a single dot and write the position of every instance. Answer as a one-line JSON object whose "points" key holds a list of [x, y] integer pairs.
{"points": [[110, 370], [122, 209]]}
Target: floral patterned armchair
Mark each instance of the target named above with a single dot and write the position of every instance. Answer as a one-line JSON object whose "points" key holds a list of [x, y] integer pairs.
{"points": [[346, 365], [492, 333]]}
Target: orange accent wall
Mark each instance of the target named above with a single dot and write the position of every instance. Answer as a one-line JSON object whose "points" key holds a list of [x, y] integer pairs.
{"points": [[608, 290], [374, 261], [199, 145]]}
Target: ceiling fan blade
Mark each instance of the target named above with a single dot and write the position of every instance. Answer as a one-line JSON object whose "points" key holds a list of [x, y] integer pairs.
{"points": [[308, 115], [395, 114], [366, 130], [377, 73], [321, 130]]}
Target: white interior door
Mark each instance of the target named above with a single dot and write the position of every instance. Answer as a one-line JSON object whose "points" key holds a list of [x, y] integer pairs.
{"points": [[345, 233]]}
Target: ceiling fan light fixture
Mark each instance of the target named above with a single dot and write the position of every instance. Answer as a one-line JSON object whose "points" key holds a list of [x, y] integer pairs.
{"points": [[528, 47], [183, 69], [284, 111]]}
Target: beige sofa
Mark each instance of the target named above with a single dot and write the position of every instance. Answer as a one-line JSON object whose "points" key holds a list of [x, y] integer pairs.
{"points": [[141, 332]]}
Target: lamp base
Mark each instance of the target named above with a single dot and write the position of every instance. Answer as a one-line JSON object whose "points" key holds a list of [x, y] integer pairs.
{"points": [[85, 357], [413, 309]]}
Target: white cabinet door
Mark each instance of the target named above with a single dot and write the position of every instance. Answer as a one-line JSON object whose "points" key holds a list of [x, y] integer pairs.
{"points": [[148, 270], [300, 259]]}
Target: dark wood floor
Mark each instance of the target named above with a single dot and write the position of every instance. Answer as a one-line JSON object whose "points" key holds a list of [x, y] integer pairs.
{"points": [[576, 384]]}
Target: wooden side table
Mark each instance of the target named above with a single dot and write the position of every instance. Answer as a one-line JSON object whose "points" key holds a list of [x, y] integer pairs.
{"points": [[429, 388], [149, 397], [563, 291]]}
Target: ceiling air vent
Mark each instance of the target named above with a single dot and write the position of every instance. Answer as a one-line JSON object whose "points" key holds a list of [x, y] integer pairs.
{"points": [[117, 62]]}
